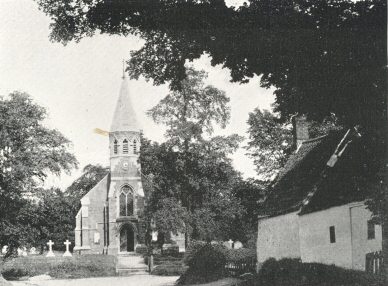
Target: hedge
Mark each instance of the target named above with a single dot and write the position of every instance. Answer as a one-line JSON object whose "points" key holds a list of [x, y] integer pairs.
{"points": [[292, 272]]}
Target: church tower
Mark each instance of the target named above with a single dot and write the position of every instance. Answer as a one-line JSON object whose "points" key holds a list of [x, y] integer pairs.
{"points": [[111, 216], [125, 197]]}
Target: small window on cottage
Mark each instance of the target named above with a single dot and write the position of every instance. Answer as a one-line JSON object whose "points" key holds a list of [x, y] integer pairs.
{"points": [[134, 147], [115, 147], [332, 234], [125, 146], [371, 230]]}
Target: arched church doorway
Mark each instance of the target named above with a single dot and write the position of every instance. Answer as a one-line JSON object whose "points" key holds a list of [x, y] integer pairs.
{"points": [[127, 239]]}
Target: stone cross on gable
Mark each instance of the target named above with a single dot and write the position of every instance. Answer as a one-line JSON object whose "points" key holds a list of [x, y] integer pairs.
{"points": [[67, 252], [50, 252]]}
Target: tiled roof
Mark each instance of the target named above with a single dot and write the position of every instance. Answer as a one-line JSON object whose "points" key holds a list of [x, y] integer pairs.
{"points": [[306, 173]]}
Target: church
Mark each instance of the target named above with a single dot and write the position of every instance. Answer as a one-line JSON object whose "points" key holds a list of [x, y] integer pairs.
{"points": [[111, 216]]}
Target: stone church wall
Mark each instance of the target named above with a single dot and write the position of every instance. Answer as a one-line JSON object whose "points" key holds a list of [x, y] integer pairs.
{"points": [[92, 218]]}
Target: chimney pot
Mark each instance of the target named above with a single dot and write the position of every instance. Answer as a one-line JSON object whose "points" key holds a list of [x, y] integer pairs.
{"points": [[300, 129]]}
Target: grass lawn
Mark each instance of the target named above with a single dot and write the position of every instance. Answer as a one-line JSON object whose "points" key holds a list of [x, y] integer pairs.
{"points": [[77, 266]]}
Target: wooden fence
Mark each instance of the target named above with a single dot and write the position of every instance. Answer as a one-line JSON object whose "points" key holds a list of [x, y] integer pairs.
{"points": [[374, 262], [240, 267]]}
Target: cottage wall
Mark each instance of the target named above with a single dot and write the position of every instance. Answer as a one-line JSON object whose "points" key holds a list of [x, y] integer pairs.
{"points": [[278, 237], [315, 245], [361, 244]]}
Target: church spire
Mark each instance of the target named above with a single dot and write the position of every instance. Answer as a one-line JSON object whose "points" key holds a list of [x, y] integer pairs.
{"points": [[124, 118]]}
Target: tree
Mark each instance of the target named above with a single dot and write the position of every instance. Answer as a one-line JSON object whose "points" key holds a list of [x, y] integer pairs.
{"points": [[29, 151], [91, 175], [208, 180], [271, 140], [49, 215], [192, 111], [321, 56], [191, 169]]}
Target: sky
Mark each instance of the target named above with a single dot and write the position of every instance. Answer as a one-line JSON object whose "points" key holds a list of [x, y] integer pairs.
{"points": [[79, 83]]}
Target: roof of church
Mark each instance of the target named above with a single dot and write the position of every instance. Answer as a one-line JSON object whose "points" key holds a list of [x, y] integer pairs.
{"points": [[307, 184], [124, 118]]}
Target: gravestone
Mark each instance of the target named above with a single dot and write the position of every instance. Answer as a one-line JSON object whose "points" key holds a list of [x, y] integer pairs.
{"points": [[20, 251], [50, 252], [229, 244], [154, 236], [238, 245], [4, 250], [67, 252], [24, 251], [33, 251]]}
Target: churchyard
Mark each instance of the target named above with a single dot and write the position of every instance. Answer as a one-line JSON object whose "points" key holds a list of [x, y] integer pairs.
{"points": [[58, 266]]}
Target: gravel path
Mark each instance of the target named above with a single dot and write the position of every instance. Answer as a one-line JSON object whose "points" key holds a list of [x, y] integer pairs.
{"points": [[135, 280]]}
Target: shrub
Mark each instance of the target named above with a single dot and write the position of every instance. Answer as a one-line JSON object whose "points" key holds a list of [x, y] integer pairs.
{"points": [[292, 272], [242, 254], [60, 267], [205, 265], [194, 246], [170, 249], [14, 273], [169, 270], [141, 249]]}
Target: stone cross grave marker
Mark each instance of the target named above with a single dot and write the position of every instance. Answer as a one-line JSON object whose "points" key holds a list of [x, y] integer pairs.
{"points": [[229, 244], [50, 245], [67, 252]]}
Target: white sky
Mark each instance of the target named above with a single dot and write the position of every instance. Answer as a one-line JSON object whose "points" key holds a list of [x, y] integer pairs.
{"points": [[79, 84]]}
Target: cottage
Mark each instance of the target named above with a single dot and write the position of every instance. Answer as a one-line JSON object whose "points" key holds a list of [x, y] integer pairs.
{"points": [[316, 209]]}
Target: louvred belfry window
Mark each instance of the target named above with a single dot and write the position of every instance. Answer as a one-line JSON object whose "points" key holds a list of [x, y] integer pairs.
{"points": [[125, 146], [134, 147], [115, 147], [126, 201]]}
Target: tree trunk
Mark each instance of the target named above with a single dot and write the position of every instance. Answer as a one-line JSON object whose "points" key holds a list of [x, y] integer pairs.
{"points": [[385, 204]]}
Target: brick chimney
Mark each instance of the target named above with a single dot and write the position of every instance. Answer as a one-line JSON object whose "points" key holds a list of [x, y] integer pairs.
{"points": [[300, 129]]}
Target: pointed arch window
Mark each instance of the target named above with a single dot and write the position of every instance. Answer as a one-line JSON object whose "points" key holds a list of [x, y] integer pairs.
{"points": [[115, 146], [125, 146], [134, 146], [126, 201]]}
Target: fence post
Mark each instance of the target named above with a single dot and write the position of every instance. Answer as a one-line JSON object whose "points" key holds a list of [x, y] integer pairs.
{"points": [[151, 263]]}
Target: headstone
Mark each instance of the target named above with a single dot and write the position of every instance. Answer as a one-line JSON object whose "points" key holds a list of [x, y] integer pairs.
{"points": [[67, 252], [24, 251], [20, 251], [154, 236], [238, 245], [229, 244], [33, 251], [4, 249], [50, 252]]}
